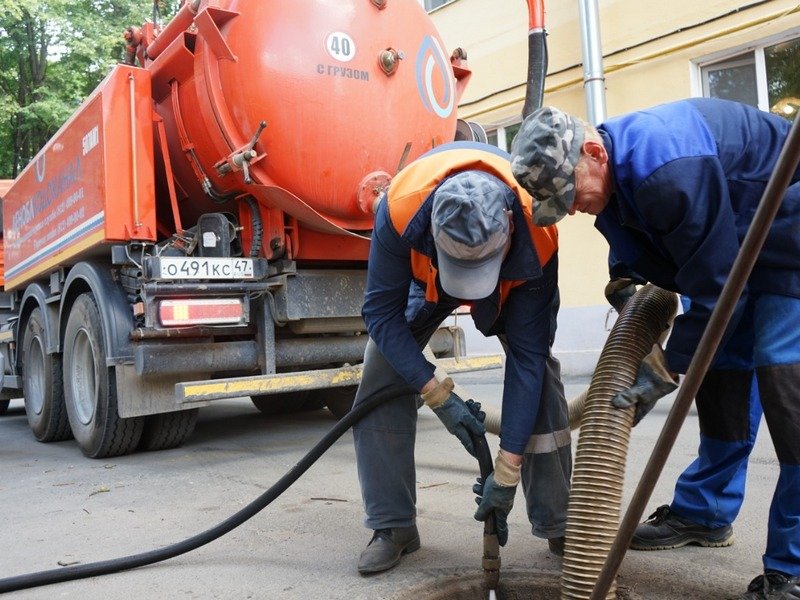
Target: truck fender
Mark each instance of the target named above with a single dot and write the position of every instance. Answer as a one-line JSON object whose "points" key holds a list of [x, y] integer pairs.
{"points": [[35, 295], [115, 310]]}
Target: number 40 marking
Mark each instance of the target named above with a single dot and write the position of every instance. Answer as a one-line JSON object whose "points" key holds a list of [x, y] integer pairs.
{"points": [[340, 46]]}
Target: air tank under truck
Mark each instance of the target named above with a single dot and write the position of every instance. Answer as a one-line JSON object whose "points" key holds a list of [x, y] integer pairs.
{"points": [[199, 228]]}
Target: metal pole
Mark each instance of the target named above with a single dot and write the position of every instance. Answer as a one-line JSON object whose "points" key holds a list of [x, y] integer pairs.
{"points": [[740, 272], [593, 76]]}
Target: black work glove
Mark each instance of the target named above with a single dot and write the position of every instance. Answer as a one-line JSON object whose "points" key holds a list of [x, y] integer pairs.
{"points": [[497, 494], [459, 417], [618, 291], [653, 381]]}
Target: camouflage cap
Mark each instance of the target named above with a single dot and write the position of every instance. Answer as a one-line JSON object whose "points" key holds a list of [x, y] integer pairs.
{"points": [[543, 158]]}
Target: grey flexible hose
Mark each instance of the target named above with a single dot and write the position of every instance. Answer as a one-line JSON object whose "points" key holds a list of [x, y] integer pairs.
{"points": [[597, 479], [598, 474]]}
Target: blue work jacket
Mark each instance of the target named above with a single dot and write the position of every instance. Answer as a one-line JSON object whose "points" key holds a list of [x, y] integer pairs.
{"points": [[397, 302], [687, 177]]}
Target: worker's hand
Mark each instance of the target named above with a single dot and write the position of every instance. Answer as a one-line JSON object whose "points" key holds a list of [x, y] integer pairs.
{"points": [[475, 409], [618, 291], [459, 417], [497, 494], [653, 381]]}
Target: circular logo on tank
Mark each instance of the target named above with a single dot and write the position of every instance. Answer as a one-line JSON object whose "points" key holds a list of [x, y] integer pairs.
{"points": [[340, 46], [434, 78]]}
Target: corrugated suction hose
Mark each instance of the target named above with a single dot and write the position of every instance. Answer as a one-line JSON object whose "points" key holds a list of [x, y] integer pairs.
{"points": [[599, 470]]}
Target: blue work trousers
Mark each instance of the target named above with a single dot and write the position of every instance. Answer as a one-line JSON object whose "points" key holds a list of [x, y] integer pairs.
{"points": [[759, 366], [385, 437]]}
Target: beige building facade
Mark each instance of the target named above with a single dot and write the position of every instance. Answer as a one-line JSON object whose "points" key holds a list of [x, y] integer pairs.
{"points": [[653, 52]]}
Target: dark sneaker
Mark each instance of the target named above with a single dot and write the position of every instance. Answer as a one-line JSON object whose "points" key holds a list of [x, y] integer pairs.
{"points": [[664, 530], [772, 586], [556, 545], [386, 548]]}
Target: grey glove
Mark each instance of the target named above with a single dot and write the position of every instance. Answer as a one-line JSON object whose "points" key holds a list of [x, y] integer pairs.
{"points": [[497, 494], [618, 291], [653, 381], [458, 417]]}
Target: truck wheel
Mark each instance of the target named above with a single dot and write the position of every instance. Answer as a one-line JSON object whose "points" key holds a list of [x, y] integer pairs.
{"points": [[42, 385], [90, 390], [168, 430], [4, 406], [339, 400], [283, 403]]}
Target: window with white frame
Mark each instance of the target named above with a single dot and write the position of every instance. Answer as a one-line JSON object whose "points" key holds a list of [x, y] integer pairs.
{"points": [[767, 77], [431, 4], [502, 136]]}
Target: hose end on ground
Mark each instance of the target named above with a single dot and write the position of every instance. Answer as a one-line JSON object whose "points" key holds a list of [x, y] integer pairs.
{"points": [[491, 561]]}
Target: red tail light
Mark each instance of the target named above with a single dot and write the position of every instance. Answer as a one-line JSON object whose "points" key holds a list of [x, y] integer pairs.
{"points": [[201, 311]]}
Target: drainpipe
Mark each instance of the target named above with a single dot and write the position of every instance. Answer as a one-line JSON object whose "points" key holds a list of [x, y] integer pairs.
{"points": [[593, 77]]}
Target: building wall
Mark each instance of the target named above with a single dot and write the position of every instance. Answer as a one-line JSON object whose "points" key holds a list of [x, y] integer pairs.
{"points": [[652, 54], [651, 51]]}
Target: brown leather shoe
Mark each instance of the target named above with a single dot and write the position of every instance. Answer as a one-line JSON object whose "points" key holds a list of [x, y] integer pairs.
{"points": [[386, 548]]}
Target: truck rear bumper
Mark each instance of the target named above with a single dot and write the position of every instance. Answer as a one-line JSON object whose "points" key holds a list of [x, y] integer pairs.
{"points": [[217, 389]]}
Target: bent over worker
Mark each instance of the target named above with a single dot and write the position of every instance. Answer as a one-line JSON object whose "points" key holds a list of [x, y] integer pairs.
{"points": [[454, 228], [674, 189]]}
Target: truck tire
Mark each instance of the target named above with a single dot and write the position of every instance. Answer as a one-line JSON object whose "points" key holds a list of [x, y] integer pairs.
{"points": [[42, 385], [90, 390], [168, 430], [339, 400], [283, 403]]}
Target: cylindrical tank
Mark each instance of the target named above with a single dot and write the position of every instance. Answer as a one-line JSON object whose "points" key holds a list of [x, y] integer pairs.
{"points": [[350, 90]]}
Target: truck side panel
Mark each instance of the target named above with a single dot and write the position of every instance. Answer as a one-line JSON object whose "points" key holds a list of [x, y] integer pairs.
{"points": [[91, 184]]}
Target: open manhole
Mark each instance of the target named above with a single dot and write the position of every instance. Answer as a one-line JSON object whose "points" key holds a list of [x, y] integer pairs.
{"points": [[513, 586]]}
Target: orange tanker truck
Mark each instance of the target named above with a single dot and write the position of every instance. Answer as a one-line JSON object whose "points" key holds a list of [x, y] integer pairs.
{"points": [[199, 228]]}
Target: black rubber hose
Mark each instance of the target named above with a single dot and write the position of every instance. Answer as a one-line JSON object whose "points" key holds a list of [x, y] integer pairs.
{"points": [[257, 227], [537, 71], [104, 567]]}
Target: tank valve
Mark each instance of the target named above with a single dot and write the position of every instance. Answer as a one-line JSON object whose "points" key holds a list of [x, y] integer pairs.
{"points": [[240, 159], [389, 59], [370, 190]]}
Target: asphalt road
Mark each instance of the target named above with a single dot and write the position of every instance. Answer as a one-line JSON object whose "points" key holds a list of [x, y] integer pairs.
{"points": [[60, 508]]}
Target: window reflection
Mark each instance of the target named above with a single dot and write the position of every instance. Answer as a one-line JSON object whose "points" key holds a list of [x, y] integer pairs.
{"points": [[431, 4], [740, 78], [783, 78], [733, 79]]}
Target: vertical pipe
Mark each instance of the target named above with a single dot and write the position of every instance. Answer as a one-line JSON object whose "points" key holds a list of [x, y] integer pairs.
{"points": [[593, 76], [740, 272]]}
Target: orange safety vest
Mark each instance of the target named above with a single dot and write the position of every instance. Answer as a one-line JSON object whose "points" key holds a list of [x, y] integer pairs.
{"points": [[412, 186]]}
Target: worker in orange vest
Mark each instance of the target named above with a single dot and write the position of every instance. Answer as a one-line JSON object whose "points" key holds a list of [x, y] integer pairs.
{"points": [[455, 228]]}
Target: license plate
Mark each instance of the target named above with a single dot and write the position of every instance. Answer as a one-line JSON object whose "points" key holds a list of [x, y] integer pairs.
{"points": [[203, 268]]}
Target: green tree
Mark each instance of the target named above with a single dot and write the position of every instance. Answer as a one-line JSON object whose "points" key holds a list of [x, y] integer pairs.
{"points": [[53, 53]]}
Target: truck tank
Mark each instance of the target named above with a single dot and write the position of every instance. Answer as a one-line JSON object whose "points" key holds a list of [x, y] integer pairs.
{"points": [[310, 107]]}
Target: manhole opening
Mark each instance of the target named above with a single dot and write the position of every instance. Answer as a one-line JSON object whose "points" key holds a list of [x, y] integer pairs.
{"points": [[512, 587]]}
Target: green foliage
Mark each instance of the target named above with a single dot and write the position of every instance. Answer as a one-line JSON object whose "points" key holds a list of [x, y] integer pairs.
{"points": [[53, 53]]}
